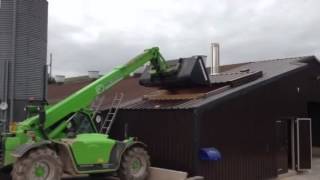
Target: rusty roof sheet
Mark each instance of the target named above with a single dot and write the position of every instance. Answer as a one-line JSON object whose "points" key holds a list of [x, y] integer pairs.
{"points": [[129, 87], [271, 69], [235, 78], [139, 97], [172, 97], [154, 103], [179, 94], [228, 77]]}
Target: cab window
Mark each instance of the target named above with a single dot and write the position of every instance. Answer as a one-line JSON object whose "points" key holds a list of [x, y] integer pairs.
{"points": [[80, 124]]}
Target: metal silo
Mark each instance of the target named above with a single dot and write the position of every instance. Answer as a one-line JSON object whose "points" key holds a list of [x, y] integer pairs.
{"points": [[23, 52]]}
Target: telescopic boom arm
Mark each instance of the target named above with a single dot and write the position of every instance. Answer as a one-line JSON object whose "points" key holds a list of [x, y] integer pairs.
{"points": [[85, 96]]}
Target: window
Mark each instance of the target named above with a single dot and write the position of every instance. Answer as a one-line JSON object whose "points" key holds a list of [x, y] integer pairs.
{"points": [[80, 123]]}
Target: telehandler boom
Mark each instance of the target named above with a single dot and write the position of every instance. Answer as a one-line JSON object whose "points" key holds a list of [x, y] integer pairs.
{"points": [[63, 138]]}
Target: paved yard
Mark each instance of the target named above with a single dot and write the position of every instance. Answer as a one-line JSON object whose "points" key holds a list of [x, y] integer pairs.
{"points": [[313, 175], [6, 177]]}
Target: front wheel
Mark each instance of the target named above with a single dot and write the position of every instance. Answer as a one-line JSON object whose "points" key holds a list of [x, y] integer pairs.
{"points": [[39, 164], [135, 164]]}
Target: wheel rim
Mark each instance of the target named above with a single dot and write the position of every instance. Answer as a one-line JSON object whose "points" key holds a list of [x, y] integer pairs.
{"points": [[137, 167], [40, 171]]}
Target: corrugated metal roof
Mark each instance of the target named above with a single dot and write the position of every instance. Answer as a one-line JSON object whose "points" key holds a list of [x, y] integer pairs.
{"points": [[143, 103], [139, 97], [155, 104], [231, 77], [270, 68], [130, 87], [173, 97], [179, 94]]}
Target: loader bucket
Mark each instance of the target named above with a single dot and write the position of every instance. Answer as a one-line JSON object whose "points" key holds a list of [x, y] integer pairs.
{"points": [[187, 72]]}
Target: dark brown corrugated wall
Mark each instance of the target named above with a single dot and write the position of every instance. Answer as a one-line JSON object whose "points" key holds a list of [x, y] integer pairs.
{"points": [[241, 126], [245, 139], [168, 134]]}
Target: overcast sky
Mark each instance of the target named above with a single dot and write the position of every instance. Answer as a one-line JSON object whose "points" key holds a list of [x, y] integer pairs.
{"points": [[100, 34]]}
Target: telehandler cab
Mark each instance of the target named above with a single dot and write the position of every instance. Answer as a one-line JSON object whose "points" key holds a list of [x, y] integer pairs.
{"points": [[63, 138]]}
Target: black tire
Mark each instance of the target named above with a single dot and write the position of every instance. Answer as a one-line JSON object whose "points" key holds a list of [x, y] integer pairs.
{"points": [[196, 178], [98, 176], [6, 170], [38, 164], [135, 164]]}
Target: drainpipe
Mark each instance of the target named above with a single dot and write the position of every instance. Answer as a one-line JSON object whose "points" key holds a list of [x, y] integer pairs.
{"points": [[3, 119], [5, 98], [13, 62], [215, 55]]}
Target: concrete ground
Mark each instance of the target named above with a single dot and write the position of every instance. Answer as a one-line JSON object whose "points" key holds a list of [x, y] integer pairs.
{"points": [[155, 174], [314, 174], [7, 177]]}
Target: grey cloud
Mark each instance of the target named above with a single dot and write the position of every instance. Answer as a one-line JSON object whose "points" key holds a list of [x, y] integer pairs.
{"points": [[247, 30]]}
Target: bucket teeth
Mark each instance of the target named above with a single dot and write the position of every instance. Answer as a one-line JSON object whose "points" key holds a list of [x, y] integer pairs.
{"points": [[188, 72]]}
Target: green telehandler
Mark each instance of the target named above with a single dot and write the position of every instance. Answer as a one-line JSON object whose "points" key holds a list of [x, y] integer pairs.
{"points": [[63, 138]]}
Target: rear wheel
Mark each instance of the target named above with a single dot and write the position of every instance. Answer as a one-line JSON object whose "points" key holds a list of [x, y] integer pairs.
{"points": [[135, 164], [39, 164]]}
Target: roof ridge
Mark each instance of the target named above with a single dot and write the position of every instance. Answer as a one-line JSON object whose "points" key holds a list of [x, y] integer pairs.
{"points": [[282, 59]]}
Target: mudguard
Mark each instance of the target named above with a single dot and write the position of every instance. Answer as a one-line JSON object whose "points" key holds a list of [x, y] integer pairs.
{"points": [[136, 143], [23, 149]]}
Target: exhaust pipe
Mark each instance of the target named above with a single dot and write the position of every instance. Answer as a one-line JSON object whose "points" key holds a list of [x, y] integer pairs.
{"points": [[215, 55]]}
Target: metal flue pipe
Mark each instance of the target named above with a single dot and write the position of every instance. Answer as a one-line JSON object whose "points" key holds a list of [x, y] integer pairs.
{"points": [[215, 55]]}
